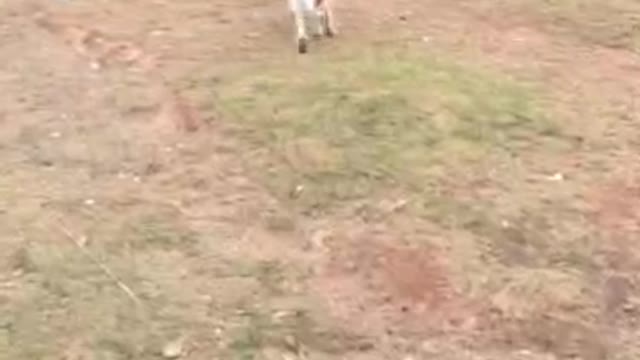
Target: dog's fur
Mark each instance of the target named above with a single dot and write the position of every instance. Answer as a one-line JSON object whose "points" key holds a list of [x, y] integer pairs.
{"points": [[321, 16]]}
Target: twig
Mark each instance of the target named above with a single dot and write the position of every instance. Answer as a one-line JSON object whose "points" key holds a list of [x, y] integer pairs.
{"points": [[124, 287]]}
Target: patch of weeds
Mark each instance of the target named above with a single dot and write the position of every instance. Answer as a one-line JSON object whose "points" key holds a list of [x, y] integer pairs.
{"points": [[22, 261], [279, 222], [69, 301], [533, 238], [272, 275], [113, 348], [65, 298], [252, 336], [154, 232], [297, 331], [343, 129], [612, 23]]}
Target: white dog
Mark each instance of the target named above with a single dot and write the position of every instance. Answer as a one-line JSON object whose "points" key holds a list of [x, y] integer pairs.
{"points": [[319, 12]]}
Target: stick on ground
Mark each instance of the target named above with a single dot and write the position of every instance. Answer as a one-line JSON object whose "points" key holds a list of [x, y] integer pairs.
{"points": [[124, 287]]}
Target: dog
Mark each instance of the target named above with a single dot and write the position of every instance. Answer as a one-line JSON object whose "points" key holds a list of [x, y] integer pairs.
{"points": [[311, 12]]}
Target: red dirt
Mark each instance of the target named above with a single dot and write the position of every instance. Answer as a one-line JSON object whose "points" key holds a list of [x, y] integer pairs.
{"points": [[375, 286]]}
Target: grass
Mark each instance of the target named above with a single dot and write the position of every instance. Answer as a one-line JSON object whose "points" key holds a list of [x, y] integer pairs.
{"points": [[613, 23], [63, 304], [326, 134], [294, 332], [68, 302], [343, 129], [67, 305]]}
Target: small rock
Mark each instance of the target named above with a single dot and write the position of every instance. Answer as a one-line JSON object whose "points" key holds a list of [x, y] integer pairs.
{"points": [[279, 315], [286, 356], [525, 352], [296, 191], [556, 177], [396, 206], [89, 202], [351, 266], [319, 238], [173, 349], [83, 241], [628, 307], [55, 135]]}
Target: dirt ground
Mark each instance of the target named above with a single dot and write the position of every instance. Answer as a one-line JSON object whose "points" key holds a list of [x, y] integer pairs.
{"points": [[443, 180]]}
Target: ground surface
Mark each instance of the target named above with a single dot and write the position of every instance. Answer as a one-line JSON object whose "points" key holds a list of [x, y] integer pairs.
{"points": [[445, 180]]}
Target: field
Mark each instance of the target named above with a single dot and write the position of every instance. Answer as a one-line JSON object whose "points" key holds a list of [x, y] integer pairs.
{"points": [[444, 180]]}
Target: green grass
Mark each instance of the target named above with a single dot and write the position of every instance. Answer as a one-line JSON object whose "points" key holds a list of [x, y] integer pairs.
{"points": [[67, 304], [296, 333], [63, 303], [343, 129]]}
